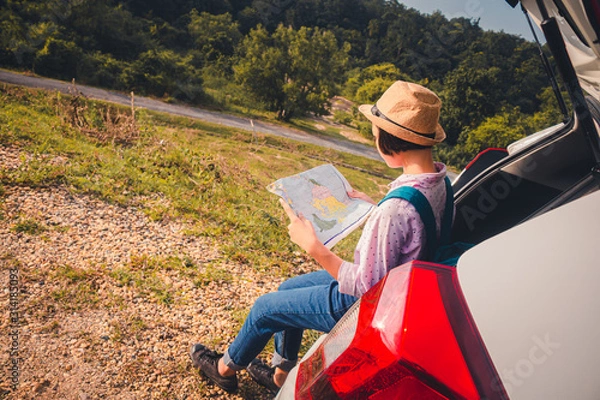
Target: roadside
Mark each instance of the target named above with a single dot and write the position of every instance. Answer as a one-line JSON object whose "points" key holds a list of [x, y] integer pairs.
{"points": [[192, 112]]}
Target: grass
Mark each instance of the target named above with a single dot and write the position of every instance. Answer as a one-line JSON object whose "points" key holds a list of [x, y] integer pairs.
{"points": [[28, 226], [311, 127], [212, 176], [51, 327], [121, 330], [77, 289], [74, 275], [147, 276], [173, 167], [212, 273]]}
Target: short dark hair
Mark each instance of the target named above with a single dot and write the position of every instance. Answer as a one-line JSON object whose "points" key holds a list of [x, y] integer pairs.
{"points": [[390, 144]]}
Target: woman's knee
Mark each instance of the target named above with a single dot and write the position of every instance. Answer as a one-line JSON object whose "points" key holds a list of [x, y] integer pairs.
{"points": [[286, 285], [306, 280], [293, 283], [264, 303]]}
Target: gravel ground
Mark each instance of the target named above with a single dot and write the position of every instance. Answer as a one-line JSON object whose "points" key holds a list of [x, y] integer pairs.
{"points": [[84, 333]]}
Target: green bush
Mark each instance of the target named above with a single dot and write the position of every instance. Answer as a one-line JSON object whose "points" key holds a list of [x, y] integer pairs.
{"points": [[368, 84], [372, 90], [498, 131], [58, 59], [28, 226], [455, 156], [342, 117], [364, 127], [103, 70], [164, 73]]}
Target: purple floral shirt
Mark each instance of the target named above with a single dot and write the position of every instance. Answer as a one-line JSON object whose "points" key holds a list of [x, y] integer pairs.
{"points": [[394, 234]]}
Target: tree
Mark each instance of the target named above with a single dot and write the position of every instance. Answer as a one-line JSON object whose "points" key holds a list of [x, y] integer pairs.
{"points": [[97, 25], [549, 112], [100, 69], [215, 36], [248, 18], [23, 33], [510, 125], [172, 10], [472, 92], [370, 83], [163, 73], [262, 67], [498, 131], [292, 72], [15, 47]]}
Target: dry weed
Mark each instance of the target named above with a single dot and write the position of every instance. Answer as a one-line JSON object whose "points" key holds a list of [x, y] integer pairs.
{"points": [[104, 123]]}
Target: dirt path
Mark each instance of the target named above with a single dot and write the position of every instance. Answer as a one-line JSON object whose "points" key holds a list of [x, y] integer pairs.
{"points": [[193, 112]]}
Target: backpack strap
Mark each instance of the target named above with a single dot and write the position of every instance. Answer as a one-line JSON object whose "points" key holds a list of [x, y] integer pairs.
{"points": [[446, 231], [421, 204]]}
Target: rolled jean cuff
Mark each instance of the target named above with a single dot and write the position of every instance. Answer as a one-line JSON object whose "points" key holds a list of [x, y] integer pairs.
{"points": [[281, 363], [229, 362]]}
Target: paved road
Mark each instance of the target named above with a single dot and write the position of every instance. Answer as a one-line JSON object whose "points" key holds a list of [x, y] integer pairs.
{"points": [[205, 115]]}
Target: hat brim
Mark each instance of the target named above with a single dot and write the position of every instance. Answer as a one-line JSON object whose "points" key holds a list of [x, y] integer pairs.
{"points": [[400, 132]]}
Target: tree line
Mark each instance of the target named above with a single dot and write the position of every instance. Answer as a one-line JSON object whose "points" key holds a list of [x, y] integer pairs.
{"points": [[289, 57]]}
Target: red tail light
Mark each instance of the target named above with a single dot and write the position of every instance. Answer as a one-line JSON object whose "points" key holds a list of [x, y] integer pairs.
{"points": [[410, 337]]}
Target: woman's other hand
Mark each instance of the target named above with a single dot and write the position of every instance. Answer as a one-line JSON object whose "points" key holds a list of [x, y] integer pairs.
{"points": [[355, 194]]}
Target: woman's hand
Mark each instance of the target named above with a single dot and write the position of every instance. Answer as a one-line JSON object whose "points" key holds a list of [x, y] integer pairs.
{"points": [[300, 229], [303, 234], [360, 195]]}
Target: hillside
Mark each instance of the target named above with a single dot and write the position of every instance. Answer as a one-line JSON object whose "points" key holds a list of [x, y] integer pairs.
{"points": [[133, 238], [285, 60]]}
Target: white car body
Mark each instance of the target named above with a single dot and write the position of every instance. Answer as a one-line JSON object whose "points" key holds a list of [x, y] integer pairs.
{"points": [[535, 301]]}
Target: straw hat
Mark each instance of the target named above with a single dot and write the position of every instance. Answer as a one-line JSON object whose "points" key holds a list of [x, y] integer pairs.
{"points": [[408, 111]]}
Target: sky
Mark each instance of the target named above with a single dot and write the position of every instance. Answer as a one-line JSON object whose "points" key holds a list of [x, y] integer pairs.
{"points": [[494, 15]]}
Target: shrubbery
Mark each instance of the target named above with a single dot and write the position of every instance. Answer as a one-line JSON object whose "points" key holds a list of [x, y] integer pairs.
{"points": [[102, 70], [58, 59], [163, 73]]}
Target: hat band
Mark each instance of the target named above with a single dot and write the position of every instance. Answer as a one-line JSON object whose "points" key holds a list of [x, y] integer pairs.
{"points": [[375, 111]]}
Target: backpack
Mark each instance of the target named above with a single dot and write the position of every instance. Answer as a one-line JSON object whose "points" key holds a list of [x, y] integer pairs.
{"points": [[440, 251]]}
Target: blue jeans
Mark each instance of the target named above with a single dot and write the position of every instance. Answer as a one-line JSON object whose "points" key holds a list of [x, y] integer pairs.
{"points": [[310, 301]]}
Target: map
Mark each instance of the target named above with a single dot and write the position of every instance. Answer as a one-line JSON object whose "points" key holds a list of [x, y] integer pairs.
{"points": [[320, 195]]}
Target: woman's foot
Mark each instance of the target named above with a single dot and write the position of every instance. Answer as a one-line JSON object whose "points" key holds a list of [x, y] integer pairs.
{"points": [[208, 363], [263, 375]]}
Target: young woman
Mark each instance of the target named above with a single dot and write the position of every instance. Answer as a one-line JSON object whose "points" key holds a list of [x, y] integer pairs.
{"points": [[405, 126]]}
